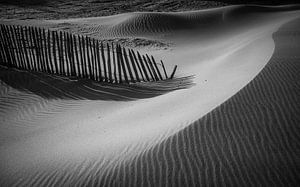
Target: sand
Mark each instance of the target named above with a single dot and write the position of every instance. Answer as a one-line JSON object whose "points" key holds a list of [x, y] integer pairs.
{"points": [[217, 131]]}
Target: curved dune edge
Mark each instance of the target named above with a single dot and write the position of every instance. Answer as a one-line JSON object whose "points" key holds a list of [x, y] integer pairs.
{"points": [[72, 141], [252, 139]]}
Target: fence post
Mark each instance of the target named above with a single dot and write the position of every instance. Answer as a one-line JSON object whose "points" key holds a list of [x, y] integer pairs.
{"points": [[119, 64], [104, 62], [133, 65], [173, 73], [114, 61], [16, 60], [99, 61], [163, 66], [148, 67], [128, 65], [155, 65], [143, 67], [109, 64], [138, 65]]}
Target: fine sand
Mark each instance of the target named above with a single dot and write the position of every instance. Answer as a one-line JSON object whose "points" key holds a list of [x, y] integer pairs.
{"points": [[236, 125]]}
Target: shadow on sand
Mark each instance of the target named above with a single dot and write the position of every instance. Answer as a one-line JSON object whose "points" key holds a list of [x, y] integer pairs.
{"points": [[57, 87]]}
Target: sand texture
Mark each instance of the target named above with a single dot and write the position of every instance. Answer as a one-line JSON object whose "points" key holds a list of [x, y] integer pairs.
{"points": [[235, 124]]}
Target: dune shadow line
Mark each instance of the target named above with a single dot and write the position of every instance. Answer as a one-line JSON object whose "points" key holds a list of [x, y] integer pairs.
{"points": [[57, 87]]}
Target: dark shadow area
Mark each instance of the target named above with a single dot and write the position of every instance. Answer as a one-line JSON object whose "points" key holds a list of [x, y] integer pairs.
{"points": [[259, 2], [25, 2], [57, 87]]}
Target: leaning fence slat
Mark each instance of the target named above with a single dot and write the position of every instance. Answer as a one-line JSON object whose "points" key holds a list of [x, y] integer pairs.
{"points": [[84, 57], [32, 49], [67, 54], [133, 65], [70, 53], [2, 52], [152, 68], [13, 44], [119, 64], [109, 64], [46, 51], [138, 65], [99, 62], [128, 65], [81, 56], [148, 68], [163, 66], [40, 41], [54, 52], [3, 47], [143, 67], [91, 51], [104, 62], [20, 47], [49, 51], [76, 56], [25, 44], [57, 36], [16, 60], [29, 44], [73, 54], [88, 56], [35, 49], [173, 73], [114, 61], [94, 58], [156, 67]]}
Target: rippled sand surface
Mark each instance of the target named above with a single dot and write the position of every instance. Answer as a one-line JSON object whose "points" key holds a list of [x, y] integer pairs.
{"points": [[237, 123]]}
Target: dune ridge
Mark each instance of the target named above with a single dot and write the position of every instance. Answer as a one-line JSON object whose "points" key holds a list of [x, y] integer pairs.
{"points": [[250, 140]]}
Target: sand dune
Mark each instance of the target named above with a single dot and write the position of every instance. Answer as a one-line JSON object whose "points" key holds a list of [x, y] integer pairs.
{"points": [[215, 132]]}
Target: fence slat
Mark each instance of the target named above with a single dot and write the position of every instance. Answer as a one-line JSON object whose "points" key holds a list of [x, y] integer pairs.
{"points": [[99, 61], [156, 67], [20, 46], [35, 49], [95, 59], [46, 51], [119, 64], [88, 56], [152, 68], [109, 64], [138, 65], [133, 65], [76, 56], [163, 66], [16, 60], [114, 61], [54, 52], [143, 66], [25, 44], [128, 65], [104, 62], [148, 68], [91, 59], [173, 73], [29, 44]]}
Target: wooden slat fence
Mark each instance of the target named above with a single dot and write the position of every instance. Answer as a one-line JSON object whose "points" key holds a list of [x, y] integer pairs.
{"points": [[62, 53]]}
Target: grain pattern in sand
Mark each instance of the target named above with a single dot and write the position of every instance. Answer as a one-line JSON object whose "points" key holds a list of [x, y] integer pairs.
{"points": [[250, 140], [88, 144]]}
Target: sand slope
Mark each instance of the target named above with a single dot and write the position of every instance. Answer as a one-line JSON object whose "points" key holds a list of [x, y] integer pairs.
{"points": [[78, 142]]}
